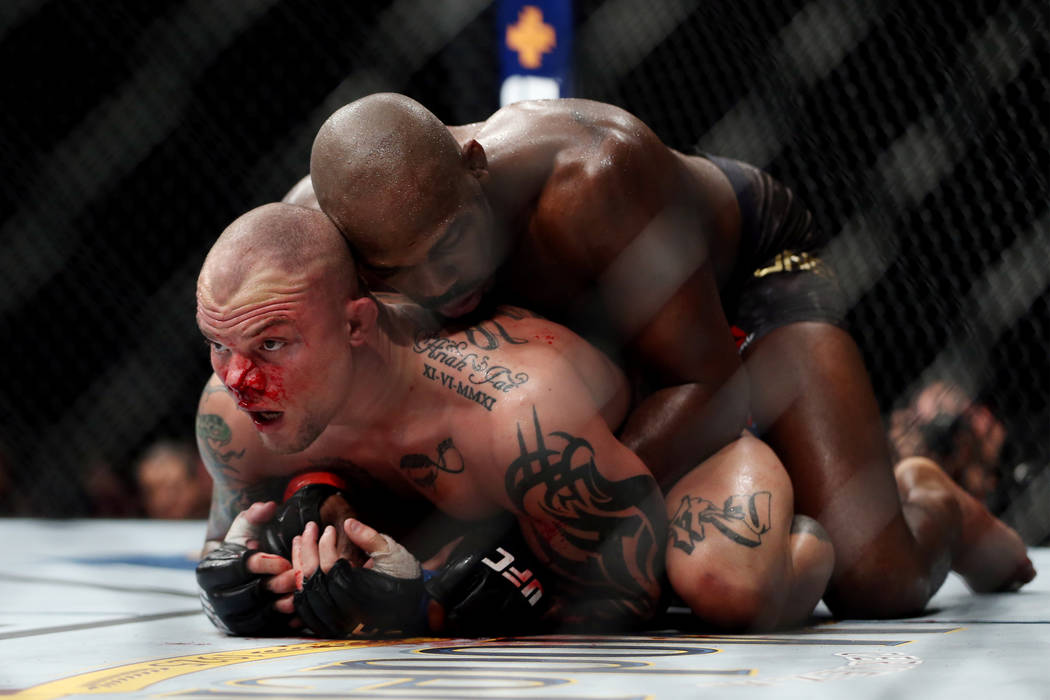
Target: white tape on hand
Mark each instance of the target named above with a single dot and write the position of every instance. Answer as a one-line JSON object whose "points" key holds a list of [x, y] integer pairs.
{"points": [[396, 561], [242, 530]]}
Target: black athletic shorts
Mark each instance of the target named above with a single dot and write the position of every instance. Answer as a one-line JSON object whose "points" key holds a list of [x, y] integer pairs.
{"points": [[780, 277]]}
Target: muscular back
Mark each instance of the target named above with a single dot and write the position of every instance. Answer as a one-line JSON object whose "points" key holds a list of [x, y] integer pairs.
{"points": [[628, 243], [577, 182]]}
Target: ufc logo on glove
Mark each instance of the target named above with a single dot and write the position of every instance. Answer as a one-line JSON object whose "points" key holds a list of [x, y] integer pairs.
{"points": [[532, 592]]}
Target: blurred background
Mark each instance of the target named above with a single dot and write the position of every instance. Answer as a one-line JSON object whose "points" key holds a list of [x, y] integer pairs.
{"points": [[134, 132]]}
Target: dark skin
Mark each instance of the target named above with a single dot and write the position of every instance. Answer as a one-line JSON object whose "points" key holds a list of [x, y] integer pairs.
{"points": [[539, 202], [569, 207]]}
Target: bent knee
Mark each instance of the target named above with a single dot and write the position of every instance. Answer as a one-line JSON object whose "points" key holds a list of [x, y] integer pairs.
{"points": [[721, 601]]}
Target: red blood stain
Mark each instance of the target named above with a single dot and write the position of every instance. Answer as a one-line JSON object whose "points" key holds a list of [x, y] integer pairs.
{"points": [[275, 384], [549, 338], [546, 529]]}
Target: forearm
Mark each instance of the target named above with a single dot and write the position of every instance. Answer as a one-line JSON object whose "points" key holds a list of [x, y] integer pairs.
{"points": [[229, 499], [676, 428]]}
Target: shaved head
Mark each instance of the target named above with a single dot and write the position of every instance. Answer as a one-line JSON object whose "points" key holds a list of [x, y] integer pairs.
{"points": [[381, 166], [278, 305], [280, 244]]}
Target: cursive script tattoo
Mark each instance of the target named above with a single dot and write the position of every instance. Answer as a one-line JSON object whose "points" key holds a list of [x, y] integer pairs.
{"points": [[607, 535], [458, 360], [424, 471], [743, 519]]}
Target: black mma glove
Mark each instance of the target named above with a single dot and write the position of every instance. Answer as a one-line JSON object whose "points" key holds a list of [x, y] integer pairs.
{"points": [[303, 499], [387, 598], [491, 588], [234, 599]]}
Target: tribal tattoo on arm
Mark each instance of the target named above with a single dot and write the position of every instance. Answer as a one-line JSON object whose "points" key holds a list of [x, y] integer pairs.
{"points": [[606, 537]]}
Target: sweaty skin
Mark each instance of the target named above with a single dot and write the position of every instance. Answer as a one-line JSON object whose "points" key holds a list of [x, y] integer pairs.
{"points": [[536, 205], [576, 209], [510, 415]]}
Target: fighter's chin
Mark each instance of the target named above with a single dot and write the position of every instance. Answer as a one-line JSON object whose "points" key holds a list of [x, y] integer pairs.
{"points": [[281, 437], [280, 446], [463, 304]]}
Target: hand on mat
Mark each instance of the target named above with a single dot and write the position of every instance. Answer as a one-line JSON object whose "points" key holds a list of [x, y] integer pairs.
{"points": [[312, 498], [245, 591], [280, 578], [385, 594]]}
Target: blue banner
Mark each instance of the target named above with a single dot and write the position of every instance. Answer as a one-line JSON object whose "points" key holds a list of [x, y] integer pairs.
{"points": [[535, 49]]}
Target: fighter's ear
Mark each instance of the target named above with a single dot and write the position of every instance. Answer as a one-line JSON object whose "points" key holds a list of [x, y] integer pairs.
{"points": [[361, 314], [475, 160]]}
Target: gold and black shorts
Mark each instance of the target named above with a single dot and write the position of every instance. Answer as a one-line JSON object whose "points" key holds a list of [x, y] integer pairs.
{"points": [[780, 276]]}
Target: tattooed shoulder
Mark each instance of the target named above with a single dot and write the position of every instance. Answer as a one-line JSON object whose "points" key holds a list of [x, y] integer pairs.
{"points": [[214, 436], [605, 532]]}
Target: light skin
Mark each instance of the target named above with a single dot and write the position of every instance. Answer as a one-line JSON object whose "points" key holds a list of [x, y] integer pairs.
{"points": [[577, 210], [293, 355], [511, 415]]}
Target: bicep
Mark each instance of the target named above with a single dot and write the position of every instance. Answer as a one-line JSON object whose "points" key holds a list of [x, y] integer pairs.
{"points": [[588, 506]]}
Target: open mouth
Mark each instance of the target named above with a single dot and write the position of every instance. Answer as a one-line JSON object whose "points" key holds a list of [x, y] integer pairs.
{"points": [[263, 418]]}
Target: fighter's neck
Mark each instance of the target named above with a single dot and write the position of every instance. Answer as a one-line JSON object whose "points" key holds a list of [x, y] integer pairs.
{"points": [[388, 373]]}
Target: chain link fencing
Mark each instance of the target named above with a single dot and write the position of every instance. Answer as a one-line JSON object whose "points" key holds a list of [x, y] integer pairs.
{"points": [[133, 133]]}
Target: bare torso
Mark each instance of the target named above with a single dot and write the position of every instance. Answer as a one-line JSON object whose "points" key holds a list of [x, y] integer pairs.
{"points": [[627, 242], [575, 182], [450, 445]]}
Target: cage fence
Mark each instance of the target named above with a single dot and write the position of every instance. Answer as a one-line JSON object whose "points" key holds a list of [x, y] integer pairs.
{"points": [[133, 133]]}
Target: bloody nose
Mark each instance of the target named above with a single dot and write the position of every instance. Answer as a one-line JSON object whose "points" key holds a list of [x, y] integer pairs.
{"points": [[244, 378]]}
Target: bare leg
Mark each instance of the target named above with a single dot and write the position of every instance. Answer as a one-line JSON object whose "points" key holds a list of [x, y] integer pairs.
{"points": [[811, 389], [733, 555], [989, 555]]}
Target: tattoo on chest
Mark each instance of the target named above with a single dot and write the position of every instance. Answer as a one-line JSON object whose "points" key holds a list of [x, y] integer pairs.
{"points": [[472, 375], [605, 533], [742, 518], [424, 471], [489, 335], [214, 434]]}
